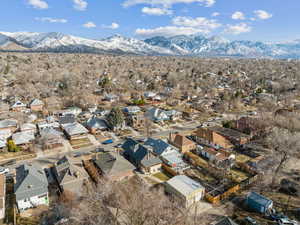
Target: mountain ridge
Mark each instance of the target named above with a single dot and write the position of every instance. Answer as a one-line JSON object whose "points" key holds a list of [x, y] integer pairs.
{"points": [[182, 45]]}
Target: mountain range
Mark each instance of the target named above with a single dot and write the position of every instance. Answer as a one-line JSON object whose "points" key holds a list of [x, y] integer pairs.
{"points": [[183, 45]]}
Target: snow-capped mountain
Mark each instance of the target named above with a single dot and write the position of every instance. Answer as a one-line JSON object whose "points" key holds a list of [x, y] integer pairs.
{"points": [[66, 43], [193, 45], [218, 46]]}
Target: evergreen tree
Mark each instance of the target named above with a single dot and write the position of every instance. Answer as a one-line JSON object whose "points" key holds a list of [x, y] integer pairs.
{"points": [[115, 118]]}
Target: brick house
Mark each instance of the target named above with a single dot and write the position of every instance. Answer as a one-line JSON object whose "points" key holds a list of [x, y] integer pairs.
{"points": [[181, 142], [209, 136], [36, 105]]}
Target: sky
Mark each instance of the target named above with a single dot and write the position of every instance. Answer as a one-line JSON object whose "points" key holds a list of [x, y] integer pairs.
{"points": [[261, 20]]}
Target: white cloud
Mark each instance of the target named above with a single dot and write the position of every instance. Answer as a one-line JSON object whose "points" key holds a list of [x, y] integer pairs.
{"points": [[113, 26], [168, 31], [238, 28], [202, 23], [215, 14], [238, 16], [80, 5], [263, 15], [167, 3], [51, 20], [89, 25], [156, 11], [38, 4]]}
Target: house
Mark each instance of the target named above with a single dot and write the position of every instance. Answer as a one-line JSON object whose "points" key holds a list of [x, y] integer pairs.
{"points": [[47, 124], [31, 187], [220, 137], [226, 221], [132, 110], [157, 115], [250, 125], [111, 97], [150, 166], [96, 124], [70, 175], [175, 160], [2, 196], [36, 105], [150, 95], [137, 121], [185, 189], [4, 135], [258, 203], [159, 147], [23, 138], [181, 142], [75, 131], [114, 166], [18, 106], [140, 156], [66, 119], [219, 158], [173, 115], [9, 124], [30, 127], [51, 138]]}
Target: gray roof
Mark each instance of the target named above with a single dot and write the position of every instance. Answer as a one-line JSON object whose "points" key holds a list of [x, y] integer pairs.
{"points": [[96, 123], [75, 129], [35, 102], [151, 162], [66, 119], [184, 185], [30, 181], [112, 164], [156, 114], [8, 123], [50, 131], [23, 137], [70, 174]]}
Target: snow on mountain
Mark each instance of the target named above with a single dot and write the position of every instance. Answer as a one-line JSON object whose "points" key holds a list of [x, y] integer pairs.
{"points": [[60, 42], [193, 45]]}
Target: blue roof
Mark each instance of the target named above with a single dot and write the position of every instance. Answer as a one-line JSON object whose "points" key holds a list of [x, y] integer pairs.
{"points": [[134, 150], [158, 145], [259, 199]]}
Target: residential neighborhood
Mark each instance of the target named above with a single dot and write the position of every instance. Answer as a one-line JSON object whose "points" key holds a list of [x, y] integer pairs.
{"points": [[197, 152]]}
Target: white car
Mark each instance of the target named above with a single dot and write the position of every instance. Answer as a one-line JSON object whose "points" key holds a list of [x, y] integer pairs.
{"points": [[287, 222], [4, 170]]}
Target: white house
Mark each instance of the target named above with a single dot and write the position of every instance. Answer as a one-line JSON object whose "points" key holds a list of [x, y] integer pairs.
{"points": [[31, 187]]}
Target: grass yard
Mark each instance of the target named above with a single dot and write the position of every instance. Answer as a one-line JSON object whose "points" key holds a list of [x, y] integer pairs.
{"points": [[79, 141], [162, 176], [238, 175], [240, 158]]}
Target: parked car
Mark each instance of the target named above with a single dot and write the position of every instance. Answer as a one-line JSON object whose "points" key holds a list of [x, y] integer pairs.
{"points": [[98, 149], [285, 221], [4, 170], [107, 142], [76, 155], [249, 221]]}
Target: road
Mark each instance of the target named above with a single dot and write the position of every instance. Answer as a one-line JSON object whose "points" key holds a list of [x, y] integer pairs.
{"points": [[46, 160]]}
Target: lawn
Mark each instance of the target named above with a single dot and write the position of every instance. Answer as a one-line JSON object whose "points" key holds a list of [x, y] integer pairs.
{"points": [[238, 175], [242, 158], [162, 176]]}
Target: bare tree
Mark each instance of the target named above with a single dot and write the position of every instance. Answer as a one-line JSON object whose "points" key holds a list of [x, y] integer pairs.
{"points": [[284, 144]]}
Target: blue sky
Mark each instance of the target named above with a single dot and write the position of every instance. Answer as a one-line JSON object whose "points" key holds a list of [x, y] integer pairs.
{"points": [[264, 20]]}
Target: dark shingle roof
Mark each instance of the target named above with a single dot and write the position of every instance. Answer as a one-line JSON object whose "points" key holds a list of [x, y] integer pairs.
{"points": [[226, 221], [135, 151]]}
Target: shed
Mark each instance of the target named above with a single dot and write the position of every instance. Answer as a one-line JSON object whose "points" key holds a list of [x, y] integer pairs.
{"points": [[258, 203]]}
